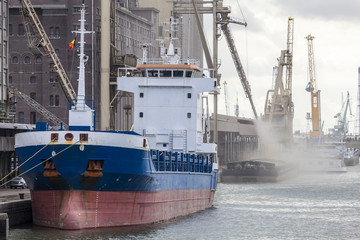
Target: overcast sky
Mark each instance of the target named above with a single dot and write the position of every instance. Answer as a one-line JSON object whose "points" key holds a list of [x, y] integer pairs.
{"points": [[335, 24]]}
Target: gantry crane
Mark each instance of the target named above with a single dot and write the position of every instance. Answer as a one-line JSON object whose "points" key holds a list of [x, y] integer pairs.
{"points": [[316, 132], [279, 107]]}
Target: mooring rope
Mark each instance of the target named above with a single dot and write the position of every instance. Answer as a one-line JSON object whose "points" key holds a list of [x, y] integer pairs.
{"points": [[36, 164], [27, 160]]}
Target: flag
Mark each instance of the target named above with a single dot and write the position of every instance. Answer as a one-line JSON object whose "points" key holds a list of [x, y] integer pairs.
{"points": [[71, 44]]}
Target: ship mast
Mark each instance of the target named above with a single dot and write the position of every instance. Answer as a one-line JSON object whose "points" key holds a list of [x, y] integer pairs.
{"points": [[81, 116]]}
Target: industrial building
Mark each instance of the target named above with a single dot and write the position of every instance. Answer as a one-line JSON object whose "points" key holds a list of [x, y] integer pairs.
{"points": [[29, 70]]}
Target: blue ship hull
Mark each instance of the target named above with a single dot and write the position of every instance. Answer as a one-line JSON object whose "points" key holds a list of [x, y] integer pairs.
{"points": [[176, 183]]}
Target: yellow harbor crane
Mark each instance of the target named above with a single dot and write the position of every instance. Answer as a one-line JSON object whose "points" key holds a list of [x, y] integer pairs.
{"points": [[316, 132]]}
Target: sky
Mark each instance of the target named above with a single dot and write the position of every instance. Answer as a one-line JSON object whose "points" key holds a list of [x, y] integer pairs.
{"points": [[335, 24]]}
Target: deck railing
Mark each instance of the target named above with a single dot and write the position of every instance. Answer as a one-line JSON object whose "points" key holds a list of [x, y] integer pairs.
{"points": [[181, 162]]}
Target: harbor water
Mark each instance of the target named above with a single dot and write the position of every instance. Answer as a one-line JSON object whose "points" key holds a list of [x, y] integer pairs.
{"points": [[305, 206]]}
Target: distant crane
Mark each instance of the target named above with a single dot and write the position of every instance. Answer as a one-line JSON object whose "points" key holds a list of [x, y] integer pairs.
{"points": [[226, 98], [316, 132], [279, 107], [341, 127]]}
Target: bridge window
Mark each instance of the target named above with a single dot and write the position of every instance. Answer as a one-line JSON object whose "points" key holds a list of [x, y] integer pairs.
{"points": [[188, 74], [153, 73], [177, 73], [165, 73]]}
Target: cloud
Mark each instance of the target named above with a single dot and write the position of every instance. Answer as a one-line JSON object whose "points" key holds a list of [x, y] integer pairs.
{"points": [[325, 9]]}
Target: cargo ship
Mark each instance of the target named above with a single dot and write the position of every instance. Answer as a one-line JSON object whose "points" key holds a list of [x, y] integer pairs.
{"points": [[164, 167]]}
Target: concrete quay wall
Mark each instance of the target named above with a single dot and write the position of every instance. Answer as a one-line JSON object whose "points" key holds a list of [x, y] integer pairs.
{"points": [[19, 211]]}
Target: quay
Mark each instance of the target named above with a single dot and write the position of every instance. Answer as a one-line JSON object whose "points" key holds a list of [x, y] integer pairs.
{"points": [[16, 204]]}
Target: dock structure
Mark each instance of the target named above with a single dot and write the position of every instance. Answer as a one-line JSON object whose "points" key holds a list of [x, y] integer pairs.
{"points": [[237, 138], [4, 226], [7, 150]]}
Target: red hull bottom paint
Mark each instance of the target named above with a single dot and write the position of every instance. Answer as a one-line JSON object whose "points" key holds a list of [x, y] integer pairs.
{"points": [[94, 209]]}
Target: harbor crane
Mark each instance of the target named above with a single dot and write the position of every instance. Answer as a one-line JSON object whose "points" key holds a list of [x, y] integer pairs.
{"points": [[316, 133], [279, 107], [222, 18], [39, 41], [341, 127]]}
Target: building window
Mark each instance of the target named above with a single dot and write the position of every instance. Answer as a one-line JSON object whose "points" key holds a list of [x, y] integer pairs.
{"points": [[32, 117], [27, 60], [160, 31], [52, 32], [52, 78], [57, 51], [21, 117], [189, 95], [57, 32], [10, 80], [76, 10], [141, 95], [15, 60], [32, 80], [33, 95], [141, 114], [10, 30], [188, 115], [38, 59], [21, 30], [51, 101], [57, 100]]}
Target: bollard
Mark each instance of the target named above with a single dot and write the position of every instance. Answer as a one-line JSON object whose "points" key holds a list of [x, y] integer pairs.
{"points": [[4, 226], [21, 195]]}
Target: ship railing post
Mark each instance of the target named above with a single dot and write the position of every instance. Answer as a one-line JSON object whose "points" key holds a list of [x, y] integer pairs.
{"points": [[170, 160], [182, 161], [176, 161], [157, 160], [207, 163], [202, 164], [188, 162]]}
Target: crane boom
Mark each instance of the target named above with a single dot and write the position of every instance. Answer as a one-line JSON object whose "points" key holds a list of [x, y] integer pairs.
{"points": [[38, 38], [316, 131], [239, 68]]}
